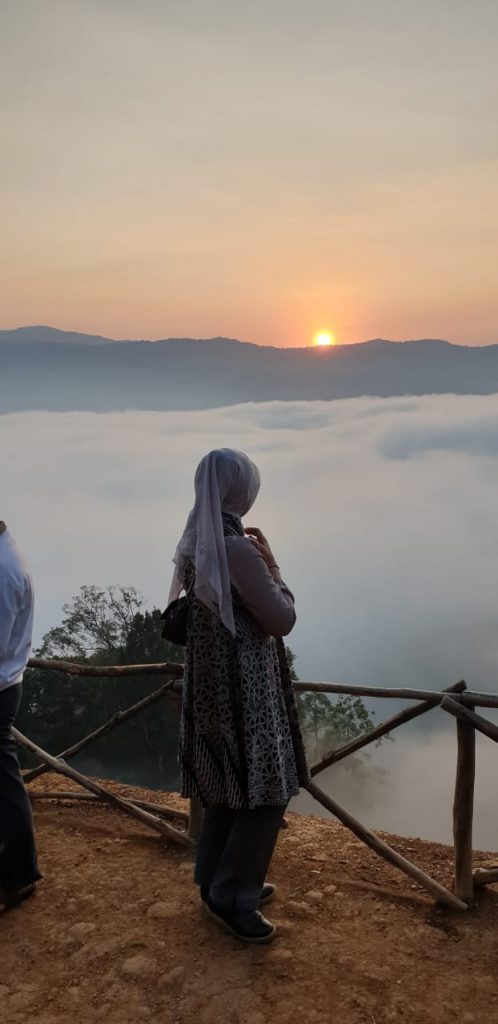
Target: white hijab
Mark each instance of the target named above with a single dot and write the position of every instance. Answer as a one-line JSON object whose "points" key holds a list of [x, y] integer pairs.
{"points": [[225, 481]]}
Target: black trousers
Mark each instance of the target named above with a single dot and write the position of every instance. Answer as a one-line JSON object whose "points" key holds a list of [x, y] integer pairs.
{"points": [[235, 849], [18, 865]]}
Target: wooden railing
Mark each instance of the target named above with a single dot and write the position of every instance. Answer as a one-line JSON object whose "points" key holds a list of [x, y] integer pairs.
{"points": [[455, 700]]}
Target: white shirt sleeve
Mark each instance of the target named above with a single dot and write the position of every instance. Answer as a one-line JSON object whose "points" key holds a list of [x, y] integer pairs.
{"points": [[10, 603]]}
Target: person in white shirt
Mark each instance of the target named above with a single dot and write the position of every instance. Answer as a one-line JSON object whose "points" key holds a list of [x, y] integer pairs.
{"points": [[18, 861]]}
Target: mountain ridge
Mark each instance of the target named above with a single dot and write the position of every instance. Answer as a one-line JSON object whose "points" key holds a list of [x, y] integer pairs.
{"points": [[64, 372], [44, 334]]}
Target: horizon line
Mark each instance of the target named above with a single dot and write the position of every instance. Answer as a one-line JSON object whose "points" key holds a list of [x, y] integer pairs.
{"points": [[239, 341]]}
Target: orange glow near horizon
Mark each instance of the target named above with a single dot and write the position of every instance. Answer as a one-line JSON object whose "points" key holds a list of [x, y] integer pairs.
{"points": [[242, 211], [323, 339]]}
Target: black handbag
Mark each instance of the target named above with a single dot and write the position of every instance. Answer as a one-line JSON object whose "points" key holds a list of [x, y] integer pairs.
{"points": [[175, 619]]}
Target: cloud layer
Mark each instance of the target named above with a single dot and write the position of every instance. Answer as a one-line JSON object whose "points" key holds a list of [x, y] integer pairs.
{"points": [[415, 795], [382, 513]]}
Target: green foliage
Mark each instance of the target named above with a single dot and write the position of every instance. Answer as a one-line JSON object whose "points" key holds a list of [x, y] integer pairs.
{"points": [[96, 624], [105, 626], [329, 722]]}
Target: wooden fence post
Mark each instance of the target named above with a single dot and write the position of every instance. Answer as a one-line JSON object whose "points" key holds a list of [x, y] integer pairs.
{"points": [[463, 810]]}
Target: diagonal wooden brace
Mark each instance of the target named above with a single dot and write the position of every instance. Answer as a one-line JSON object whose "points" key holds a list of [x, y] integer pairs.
{"points": [[385, 851], [59, 766]]}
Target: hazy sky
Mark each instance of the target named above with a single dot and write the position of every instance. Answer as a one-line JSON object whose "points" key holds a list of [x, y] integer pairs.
{"points": [[253, 170]]}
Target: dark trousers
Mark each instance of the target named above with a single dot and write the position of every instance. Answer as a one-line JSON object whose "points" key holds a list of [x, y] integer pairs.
{"points": [[18, 866], [235, 849]]}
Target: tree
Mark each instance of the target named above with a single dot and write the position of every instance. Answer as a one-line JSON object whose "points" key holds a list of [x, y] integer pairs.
{"points": [[96, 624], [105, 626], [328, 723]]}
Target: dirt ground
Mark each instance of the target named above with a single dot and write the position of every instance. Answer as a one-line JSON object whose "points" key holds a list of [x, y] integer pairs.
{"points": [[116, 933]]}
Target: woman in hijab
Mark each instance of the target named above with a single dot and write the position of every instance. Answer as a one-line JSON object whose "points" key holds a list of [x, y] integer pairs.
{"points": [[241, 750]]}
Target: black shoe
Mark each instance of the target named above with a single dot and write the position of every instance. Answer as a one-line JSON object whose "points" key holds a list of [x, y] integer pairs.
{"points": [[267, 894], [248, 926], [11, 898]]}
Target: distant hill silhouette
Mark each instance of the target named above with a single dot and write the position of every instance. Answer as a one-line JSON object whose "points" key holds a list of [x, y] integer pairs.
{"points": [[40, 335], [42, 368]]}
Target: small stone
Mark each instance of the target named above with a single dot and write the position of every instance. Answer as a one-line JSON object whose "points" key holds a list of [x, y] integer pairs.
{"points": [[314, 896], [283, 955], [103, 1012], [173, 978], [345, 961], [115, 989], [298, 909], [80, 931], [23, 998], [330, 890], [377, 974], [160, 911], [139, 966], [96, 950], [73, 991]]}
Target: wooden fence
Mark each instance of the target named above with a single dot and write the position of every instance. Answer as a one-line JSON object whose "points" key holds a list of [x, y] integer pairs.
{"points": [[182, 828]]}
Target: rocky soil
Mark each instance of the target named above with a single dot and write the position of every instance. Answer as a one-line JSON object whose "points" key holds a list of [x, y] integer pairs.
{"points": [[116, 934]]}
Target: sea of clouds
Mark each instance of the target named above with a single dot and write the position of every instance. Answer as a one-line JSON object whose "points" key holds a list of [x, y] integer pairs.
{"points": [[382, 514]]}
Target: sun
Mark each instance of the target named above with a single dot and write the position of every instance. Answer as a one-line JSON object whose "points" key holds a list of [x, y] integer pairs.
{"points": [[323, 338]]}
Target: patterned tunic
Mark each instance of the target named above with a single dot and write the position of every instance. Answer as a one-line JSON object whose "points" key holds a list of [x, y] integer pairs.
{"points": [[240, 741]]}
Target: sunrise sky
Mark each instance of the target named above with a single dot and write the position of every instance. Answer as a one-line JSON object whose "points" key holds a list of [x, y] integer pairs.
{"points": [[262, 171]]}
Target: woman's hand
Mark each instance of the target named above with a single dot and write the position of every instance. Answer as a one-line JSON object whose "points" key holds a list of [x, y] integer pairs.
{"points": [[261, 544]]}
